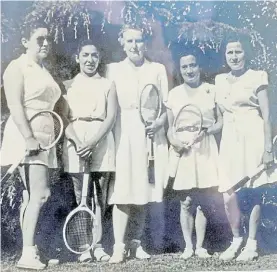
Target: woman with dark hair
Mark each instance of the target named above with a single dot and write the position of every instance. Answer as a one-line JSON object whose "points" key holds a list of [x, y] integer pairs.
{"points": [[197, 174], [132, 190], [29, 88], [246, 143], [91, 99]]}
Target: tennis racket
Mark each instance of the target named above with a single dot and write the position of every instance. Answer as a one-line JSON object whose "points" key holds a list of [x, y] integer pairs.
{"points": [[253, 174], [150, 107], [47, 127], [187, 126], [78, 229]]}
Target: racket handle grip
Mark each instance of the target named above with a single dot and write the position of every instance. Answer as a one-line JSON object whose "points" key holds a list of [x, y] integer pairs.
{"points": [[151, 172]]}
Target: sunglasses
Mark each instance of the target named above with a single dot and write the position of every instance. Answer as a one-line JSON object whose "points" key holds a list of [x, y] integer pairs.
{"points": [[41, 39]]}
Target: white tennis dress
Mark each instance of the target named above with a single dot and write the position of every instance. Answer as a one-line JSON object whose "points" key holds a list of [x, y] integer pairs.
{"points": [[199, 167], [87, 97], [41, 92], [242, 143], [131, 184]]}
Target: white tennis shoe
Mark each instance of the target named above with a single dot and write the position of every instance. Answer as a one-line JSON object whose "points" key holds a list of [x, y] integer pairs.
{"points": [[247, 254], [85, 257], [232, 250], [136, 250], [30, 259], [139, 253], [188, 253], [119, 254], [100, 255], [202, 253]]}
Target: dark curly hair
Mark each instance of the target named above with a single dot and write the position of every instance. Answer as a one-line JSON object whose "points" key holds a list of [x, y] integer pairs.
{"points": [[182, 49], [84, 42], [101, 66]]}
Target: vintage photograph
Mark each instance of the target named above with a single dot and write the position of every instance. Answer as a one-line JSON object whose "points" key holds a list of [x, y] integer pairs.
{"points": [[138, 136]]}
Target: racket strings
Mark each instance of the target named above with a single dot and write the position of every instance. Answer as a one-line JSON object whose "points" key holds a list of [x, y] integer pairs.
{"points": [[48, 128], [79, 231], [149, 104]]}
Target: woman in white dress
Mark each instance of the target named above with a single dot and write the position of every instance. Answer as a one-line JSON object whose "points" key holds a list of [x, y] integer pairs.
{"points": [[246, 143], [132, 190], [91, 111], [30, 88], [197, 173]]}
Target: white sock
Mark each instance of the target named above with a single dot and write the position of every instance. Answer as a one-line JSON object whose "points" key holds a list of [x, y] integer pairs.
{"points": [[237, 240], [119, 246], [251, 243], [28, 251], [189, 246]]}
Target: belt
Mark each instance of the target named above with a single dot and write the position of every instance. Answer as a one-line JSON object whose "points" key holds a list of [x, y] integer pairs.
{"points": [[86, 119]]}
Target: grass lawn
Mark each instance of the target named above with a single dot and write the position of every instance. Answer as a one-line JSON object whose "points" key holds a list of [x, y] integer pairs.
{"points": [[162, 263]]}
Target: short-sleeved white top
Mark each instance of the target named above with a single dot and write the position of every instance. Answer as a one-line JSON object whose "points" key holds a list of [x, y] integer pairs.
{"points": [[240, 95], [87, 96], [203, 97]]}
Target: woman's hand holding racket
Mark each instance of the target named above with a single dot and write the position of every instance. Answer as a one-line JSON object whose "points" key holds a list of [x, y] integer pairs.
{"points": [[32, 147], [152, 128], [179, 146], [268, 159], [84, 150]]}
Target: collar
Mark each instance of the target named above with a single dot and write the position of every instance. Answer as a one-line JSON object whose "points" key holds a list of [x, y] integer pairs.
{"points": [[228, 75], [82, 77]]}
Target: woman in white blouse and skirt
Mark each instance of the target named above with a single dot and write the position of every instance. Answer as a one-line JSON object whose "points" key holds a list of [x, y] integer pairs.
{"points": [[29, 89], [91, 101], [197, 174], [131, 189], [246, 143]]}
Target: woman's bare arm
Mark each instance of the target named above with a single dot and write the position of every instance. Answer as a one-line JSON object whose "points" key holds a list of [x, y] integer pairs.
{"points": [[264, 107], [14, 91]]}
